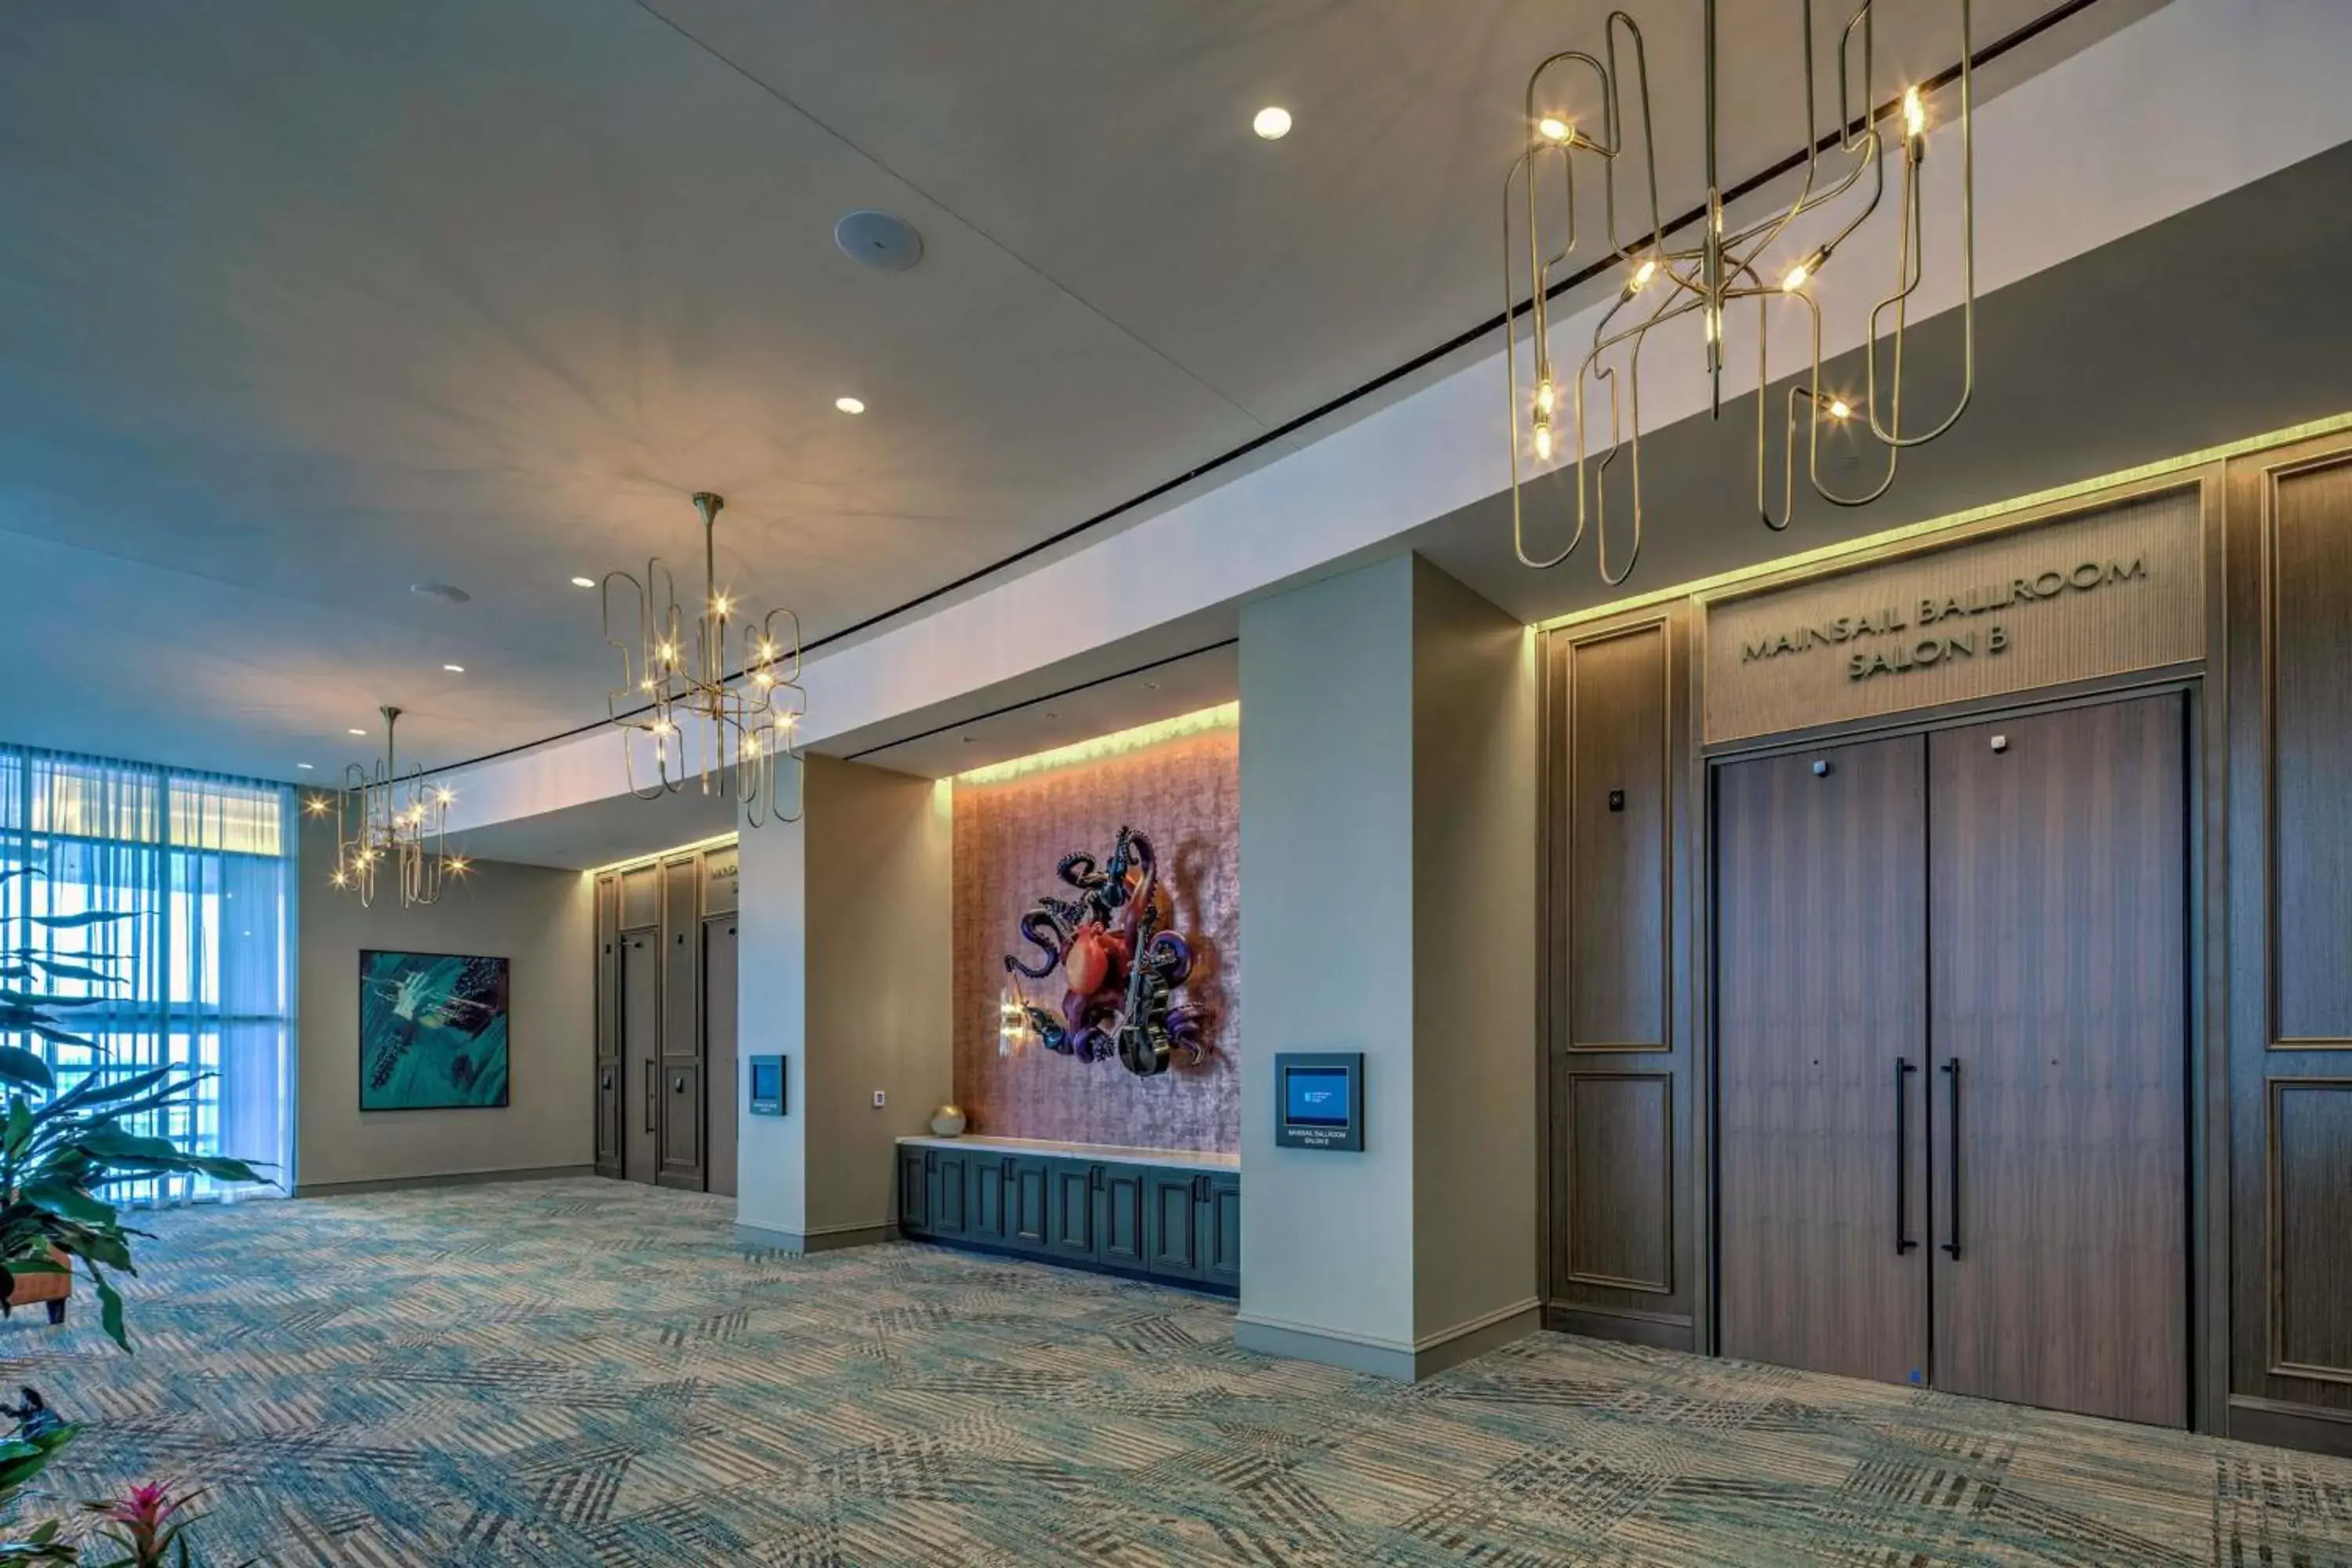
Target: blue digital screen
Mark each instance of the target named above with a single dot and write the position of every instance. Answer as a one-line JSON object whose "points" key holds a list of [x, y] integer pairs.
{"points": [[1315, 1097]]}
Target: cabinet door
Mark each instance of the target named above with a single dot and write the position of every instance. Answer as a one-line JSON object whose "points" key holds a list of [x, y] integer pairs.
{"points": [[1220, 1243], [914, 1190], [1028, 1202], [985, 1178], [1172, 1229], [951, 1191], [1118, 1225], [1070, 1216]]}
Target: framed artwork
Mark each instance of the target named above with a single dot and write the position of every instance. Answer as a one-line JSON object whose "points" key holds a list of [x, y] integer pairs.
{"points": [[432, 1031]]}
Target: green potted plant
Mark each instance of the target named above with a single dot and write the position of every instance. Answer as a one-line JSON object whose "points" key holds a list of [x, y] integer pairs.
{"points": [[59, 1154]]}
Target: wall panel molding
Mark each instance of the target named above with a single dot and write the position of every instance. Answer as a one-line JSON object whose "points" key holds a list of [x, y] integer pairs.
{"points": [[2307, 1156], [1618, 1213], [1618, 816]]}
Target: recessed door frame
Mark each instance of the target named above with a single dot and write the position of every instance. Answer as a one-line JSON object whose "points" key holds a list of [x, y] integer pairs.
{"points": [[2207, 1131]]}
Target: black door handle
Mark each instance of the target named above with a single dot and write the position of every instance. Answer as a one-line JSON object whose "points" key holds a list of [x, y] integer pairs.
{"points": [[605, 1083], [678, 1086], [653, 1098], [1952, 1156], [1903, 1242]]}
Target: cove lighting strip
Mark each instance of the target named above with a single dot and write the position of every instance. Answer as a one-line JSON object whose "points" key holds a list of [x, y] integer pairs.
{"points": [[721, 841], [2055, 496], [1116, 744]]}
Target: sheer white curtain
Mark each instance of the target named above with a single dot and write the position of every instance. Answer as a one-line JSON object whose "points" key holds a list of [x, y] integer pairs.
{"points": [[167, 897]]}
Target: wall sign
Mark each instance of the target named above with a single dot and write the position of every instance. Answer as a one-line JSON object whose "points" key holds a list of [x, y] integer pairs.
{"points": [[767, 1096], [1320, 1100], [2104, 594]]}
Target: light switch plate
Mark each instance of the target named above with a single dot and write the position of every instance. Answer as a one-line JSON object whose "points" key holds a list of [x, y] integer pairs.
{"points": [[879, 1099]]}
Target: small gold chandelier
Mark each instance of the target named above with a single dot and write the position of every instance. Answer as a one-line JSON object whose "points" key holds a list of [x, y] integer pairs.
{"points": [[391, 823], [1765, 261], [682, 713]]}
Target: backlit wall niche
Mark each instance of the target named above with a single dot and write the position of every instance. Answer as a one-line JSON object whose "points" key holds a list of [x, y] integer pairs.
{"points": [[1180, 782]]}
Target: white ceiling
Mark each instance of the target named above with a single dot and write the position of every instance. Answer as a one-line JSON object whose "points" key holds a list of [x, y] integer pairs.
{"points": [[303, 308]]}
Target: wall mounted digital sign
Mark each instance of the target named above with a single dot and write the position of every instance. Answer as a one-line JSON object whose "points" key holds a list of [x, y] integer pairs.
{"points": [[1320, 1100], [767, 1086]]}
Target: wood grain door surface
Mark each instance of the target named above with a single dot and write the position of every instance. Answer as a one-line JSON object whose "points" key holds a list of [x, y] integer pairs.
{"points": [[1821, 1022], [2058, 913]]}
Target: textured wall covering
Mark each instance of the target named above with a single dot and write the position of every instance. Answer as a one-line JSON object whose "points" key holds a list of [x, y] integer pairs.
{"points": [[1009, 835]]}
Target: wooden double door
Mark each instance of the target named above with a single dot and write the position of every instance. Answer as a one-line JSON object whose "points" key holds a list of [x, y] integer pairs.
{"points": [[667, 1072], [1951, 1016]]}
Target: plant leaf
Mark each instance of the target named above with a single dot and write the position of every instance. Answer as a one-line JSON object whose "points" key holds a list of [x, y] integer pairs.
{"points": [[96, 1090], [19, 1064], [109, 1309], [85, 918], [69, 1202]]}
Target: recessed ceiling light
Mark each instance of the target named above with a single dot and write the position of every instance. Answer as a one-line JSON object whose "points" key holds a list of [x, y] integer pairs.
{"points": [[455, 668], [583, 582], [446, 593], [1151, 686], [849, 405], [304, 766], [1273, 123], [356, 731]]}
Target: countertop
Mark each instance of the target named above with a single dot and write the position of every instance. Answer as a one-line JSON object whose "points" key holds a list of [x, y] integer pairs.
{"points": [[1109, 1154]]}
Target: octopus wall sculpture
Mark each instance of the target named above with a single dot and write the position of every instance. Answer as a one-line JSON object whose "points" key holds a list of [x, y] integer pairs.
{"points": [[1120, 964]]}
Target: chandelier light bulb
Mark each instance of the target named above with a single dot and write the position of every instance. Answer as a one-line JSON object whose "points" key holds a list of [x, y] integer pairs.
{"points": [[1543, 440], [1641, 275], [1544, 397], [1271, 122], [1915, 114], [1840, 409], [1552, 128], [1795, 279]]}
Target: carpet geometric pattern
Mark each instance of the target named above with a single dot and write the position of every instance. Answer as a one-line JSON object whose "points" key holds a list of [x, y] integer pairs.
{"points": [[581, 1371]]}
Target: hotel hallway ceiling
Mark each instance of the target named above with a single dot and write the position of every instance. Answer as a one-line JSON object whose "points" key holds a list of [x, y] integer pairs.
{"points": [[306, 310]]}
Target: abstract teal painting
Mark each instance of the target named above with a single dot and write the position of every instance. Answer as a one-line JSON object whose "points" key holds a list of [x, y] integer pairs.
{"points": [[432, 1031]]}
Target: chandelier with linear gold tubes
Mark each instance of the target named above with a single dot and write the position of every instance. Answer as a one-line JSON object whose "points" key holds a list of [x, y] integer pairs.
{"points": [[1778, 260], [711, 699], [391, 827]]}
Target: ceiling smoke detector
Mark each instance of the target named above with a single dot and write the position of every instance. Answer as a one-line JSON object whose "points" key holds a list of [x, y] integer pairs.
{"points": [[880, 241]]}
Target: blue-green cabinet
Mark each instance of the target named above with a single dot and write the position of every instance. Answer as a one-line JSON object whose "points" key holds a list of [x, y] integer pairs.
{"points": [[1171, 1198], [1117, 1216], [1217, 1230]]}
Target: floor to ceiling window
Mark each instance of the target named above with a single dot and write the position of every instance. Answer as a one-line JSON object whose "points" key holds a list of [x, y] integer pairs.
{"points": [[163, 900]]}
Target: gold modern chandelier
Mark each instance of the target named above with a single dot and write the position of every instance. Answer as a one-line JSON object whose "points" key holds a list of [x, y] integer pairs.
{"points": [[1777, 260], [682, 713], [391, 824]]}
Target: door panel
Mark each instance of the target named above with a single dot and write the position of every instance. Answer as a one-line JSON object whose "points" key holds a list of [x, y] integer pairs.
{"points": [[1821, 960], [681, 1015], [611, 1093], [2058, 888], [640, 1052], [950, 1193], [914, 1190], [987, 1175], [723, 1091], [681, 1124]]}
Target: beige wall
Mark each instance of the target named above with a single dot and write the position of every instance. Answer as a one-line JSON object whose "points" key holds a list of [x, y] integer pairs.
{"points": [[847, 966], [1475, 1117], [1389, 847], [542, 921]]}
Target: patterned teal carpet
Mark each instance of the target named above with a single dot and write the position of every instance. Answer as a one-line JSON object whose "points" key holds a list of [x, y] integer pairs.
{"points": [[580, 1372]]}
